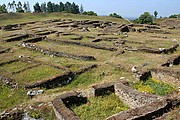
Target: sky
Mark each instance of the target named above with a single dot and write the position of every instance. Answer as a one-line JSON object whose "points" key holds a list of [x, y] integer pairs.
{"points": [[125, 8]]}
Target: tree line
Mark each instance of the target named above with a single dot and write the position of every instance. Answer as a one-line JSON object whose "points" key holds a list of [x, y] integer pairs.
{"points": [[61, 7], [43, 7]]}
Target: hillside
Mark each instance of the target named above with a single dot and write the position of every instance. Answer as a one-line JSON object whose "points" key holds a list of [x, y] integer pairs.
{"points": [[169, 22], [66, 66], [28, 17]]}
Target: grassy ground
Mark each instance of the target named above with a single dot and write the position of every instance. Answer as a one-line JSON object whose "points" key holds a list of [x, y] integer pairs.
{"points": [[11, 97], [100, 107], [15, 66], [37, 74], [154, 86], [28, 17]]}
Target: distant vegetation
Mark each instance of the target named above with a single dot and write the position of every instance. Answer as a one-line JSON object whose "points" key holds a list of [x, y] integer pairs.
{"points": [[89, 13], [155, 14], [175, 16], [145, 18], [45, 8], [3, 9], [115, 15]]}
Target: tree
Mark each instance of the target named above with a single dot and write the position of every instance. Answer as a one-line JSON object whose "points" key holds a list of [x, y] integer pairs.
{"points": [[43, 7], [50, 7], [61, 7], [25, 6], [155, 14], [3, 9], [67, 7], [145, 18], [74, 8], [115, 15], [13, 6], [28, 7], [81, 9], [10, 6], [92, 13], [56, 7], [174, 16], [19, 7], [37, 8]]}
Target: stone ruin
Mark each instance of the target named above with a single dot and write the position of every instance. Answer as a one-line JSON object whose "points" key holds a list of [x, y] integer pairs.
{"points": [[175, 60], [59, 80], [141, 105], [54, 53], [52, 82]]}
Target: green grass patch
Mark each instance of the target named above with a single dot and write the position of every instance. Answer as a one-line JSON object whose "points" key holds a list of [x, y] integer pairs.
{"points": [[99, 108], [36, 74], [154, 86], [86, 79], [10, 97], [14, 66]]}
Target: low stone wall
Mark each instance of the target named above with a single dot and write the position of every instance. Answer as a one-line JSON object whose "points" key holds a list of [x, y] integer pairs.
{"points": [[34, 39], [9, 62], [166, 72], [58, 54], [46, 33], [52, 82], [175, 60], [103, 89], [59, 80], [17, 38], [60, 109], [166, 75], [132, 97], [8, 81], [62, 103], [5, 50], [26, 69], [149, 111], [156, 51], [84, 44], [12, 114], [84, 69]]}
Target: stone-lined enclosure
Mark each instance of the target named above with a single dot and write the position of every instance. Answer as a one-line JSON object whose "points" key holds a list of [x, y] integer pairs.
{"points": [[88, 52], [142, 106]]}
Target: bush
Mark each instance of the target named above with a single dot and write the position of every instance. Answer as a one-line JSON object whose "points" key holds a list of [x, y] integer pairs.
{"points": [[174, 16], [115, 15], [89, 13], [145, 18]]}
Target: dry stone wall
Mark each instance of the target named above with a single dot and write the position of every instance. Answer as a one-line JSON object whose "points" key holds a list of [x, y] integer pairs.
{"points": [[148, 112], [58, 54], [59, 80], [131, 97]]}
